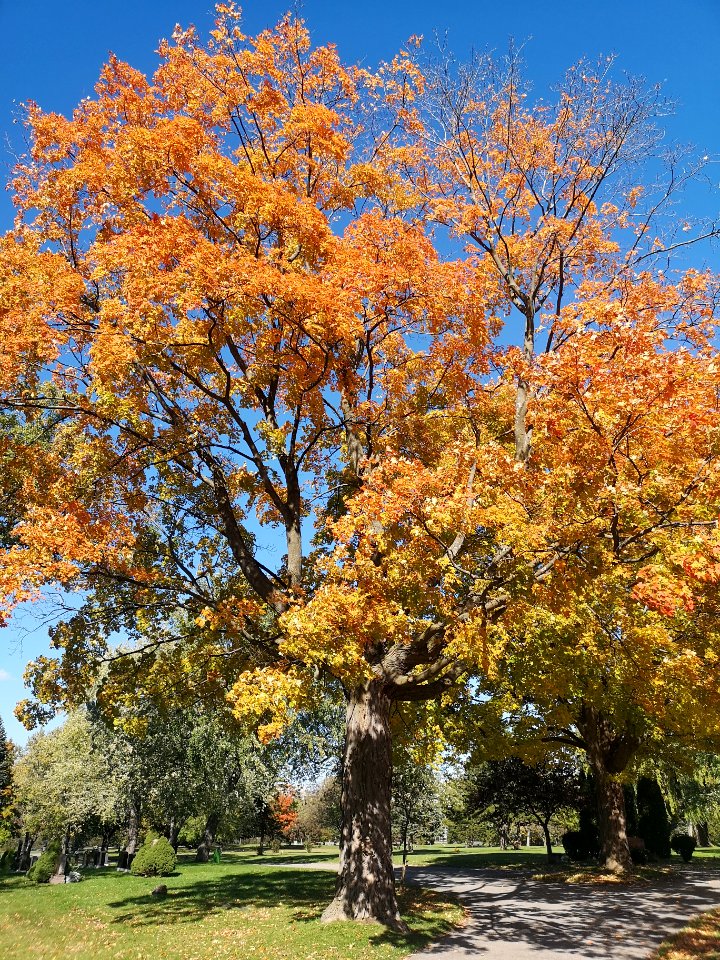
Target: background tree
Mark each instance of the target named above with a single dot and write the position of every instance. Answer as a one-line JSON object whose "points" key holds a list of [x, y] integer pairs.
{"points": [[6, 786], [62, 784], [319, 814], [512, 789], [416, 807]]}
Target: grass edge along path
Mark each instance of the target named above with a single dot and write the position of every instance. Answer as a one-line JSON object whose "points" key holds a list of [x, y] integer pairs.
{"points": [[699, 940], [211, 912]]}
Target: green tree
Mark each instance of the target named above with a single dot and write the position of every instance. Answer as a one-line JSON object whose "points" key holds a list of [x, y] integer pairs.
{"points": [[415, 809], [63, 783], [506, 790], [6, 786]]}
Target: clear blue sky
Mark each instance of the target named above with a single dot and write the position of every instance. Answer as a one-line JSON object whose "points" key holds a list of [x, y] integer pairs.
{"points": [[51, 52]]}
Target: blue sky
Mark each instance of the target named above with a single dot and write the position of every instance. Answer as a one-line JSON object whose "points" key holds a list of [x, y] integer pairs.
{"points": [[51, 52]]}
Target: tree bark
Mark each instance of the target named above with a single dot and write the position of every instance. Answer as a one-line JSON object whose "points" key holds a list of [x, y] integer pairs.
{"points": [[208, 839], [133, 828], [366, 880], [173, 832], [24, 850], [608, 753], [548, 841], [702, 833]]}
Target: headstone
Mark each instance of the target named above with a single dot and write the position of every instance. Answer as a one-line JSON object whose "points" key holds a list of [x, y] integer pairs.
{"points": [[122, 860]]}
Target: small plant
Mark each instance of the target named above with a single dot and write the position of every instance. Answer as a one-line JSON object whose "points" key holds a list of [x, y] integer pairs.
{"points": [[275, 846], [44, 866], [155, 858], [684, 844]]}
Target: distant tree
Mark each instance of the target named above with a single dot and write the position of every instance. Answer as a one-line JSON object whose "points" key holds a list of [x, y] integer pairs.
{"points": [[510, 789], [6, 779], [415, 805], [284, 809], [63, 782], [319, 813]]}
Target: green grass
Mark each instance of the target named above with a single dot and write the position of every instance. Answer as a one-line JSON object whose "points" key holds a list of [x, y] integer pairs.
{"points": [[491, 858], [436, 855], [242, 907]]}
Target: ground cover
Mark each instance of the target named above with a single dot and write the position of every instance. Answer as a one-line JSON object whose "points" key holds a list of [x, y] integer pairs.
{"points": [[240, 907], [700, 939]]}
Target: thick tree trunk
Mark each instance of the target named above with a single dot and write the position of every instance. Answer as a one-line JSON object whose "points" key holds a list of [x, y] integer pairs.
{"points": [[608, 753], [366, 880], [208, 839]]}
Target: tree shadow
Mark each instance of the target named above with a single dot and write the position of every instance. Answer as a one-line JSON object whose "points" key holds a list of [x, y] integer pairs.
{"points": [[242, 891], [598, 922]]}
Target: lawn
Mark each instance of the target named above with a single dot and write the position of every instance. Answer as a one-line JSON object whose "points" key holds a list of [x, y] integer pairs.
{"points": [[532, 859], [242, 907]]}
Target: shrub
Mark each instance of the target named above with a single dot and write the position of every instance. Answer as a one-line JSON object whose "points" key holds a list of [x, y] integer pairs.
{"points": [[44, 866], [155, 858], [684, 844], [275, 846], [576, 845]]}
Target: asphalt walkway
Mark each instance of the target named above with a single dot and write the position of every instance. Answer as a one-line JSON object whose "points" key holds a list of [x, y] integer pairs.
{"points": [[513, 918]]}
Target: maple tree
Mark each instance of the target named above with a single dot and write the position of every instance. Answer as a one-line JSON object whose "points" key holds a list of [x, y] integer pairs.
{"points": [[224, 288], [285, 813]]}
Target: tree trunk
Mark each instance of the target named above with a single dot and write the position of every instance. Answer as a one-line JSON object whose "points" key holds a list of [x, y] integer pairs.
{"points": [[608, 753], [23, 852], [702, 833], [208, 839], [366, 881], [173, 832], [548, 841], [133, 828]]}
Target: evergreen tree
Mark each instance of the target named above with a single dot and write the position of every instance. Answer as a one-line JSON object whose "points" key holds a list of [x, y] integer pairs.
{"points": [[5, 780], [653, 823]]}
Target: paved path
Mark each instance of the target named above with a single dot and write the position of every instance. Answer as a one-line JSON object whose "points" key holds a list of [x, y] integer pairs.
{"points": [[512, 918]]}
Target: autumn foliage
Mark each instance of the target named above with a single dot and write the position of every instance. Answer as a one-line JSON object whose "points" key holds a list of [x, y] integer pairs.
{"points": [[263, 293]]}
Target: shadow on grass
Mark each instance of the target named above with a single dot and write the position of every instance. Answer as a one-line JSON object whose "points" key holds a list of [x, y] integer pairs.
{"points": [[490, 860], [252, 890]]}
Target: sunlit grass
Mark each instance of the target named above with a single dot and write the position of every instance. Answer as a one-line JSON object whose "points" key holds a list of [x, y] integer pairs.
{"points": [[238, 908]]}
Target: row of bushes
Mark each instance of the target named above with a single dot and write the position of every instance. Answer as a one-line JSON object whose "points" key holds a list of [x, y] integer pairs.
{"points": [[584, 845], [155, 858]]}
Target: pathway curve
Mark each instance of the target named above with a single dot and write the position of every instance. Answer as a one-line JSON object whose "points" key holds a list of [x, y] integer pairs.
{"points": [[513, 918]]}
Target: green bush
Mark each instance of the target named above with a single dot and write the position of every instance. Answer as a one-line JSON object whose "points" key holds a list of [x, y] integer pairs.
{"points": [[684, 844], [44, 866], [155, 858]]}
